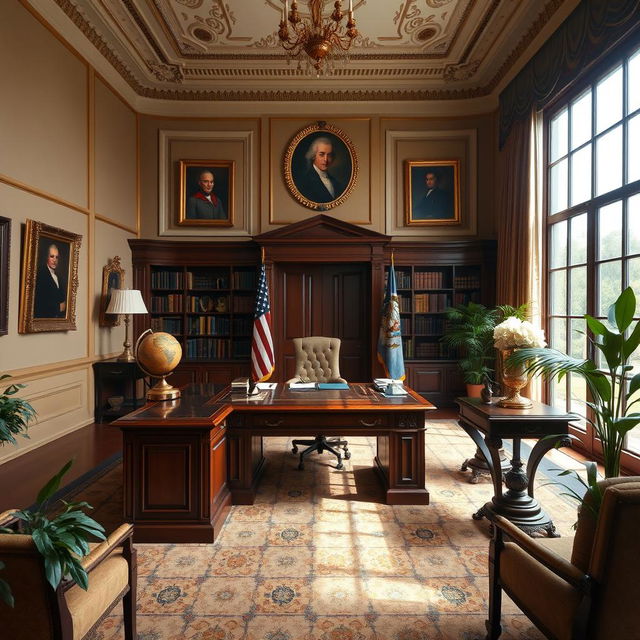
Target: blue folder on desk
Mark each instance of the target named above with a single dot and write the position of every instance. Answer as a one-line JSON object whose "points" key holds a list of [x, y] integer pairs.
{"points": [[332, 385]]}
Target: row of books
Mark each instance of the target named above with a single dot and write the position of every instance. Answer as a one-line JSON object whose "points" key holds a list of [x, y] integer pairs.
{"points": [[430, 302], [170, 302], [207, 279], [170, 325], [209, 325], [244, 280], [428, 325], [207, 348], [167, 280], [466, 282], [429, 280]]}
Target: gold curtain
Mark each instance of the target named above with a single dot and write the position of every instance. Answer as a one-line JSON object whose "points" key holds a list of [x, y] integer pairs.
{"points": [[519, 223]]}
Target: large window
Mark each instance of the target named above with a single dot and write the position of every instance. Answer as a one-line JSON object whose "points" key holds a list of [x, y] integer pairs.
{"points": [[593, 219]]}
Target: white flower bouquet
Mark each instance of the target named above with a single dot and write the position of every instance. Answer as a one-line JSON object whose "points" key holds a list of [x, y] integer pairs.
{"points": [[513, 333]]}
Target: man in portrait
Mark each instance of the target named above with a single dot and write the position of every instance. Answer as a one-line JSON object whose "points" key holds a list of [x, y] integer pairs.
{"points": [[435, 203], [317, 183], [50, 298], [204, 204]]}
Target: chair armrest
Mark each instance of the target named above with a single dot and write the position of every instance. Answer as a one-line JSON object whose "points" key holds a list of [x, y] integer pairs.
{"points": [[99, 553], [551, 560]]}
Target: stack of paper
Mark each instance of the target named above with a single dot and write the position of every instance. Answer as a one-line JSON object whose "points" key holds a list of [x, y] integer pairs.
{"points": [[303, 386]]}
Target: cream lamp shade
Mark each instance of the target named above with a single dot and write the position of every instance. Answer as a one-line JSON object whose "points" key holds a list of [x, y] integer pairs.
{"points": [[123, 302]]}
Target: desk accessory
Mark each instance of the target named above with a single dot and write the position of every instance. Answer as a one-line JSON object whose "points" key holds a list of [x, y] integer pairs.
{"points": [[332, 385]]}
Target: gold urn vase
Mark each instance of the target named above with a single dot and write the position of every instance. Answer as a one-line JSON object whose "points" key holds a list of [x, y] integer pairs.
{"points": [[513, 379]]}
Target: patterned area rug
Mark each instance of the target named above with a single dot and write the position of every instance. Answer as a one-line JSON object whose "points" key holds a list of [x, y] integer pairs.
{"points": [[319, 556]]}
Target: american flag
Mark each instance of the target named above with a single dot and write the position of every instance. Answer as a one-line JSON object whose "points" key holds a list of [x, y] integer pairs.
{"points": [[262, 360]]}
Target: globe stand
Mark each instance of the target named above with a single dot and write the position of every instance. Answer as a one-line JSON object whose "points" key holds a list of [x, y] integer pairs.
{"points": [[162, 391]]}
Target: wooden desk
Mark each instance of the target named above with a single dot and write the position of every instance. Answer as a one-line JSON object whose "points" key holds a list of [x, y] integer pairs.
{"points": [[186, 461], [487, 425]]}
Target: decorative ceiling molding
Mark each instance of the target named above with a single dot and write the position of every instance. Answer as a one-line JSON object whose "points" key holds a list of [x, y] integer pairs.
{"points": [[408, 50]]}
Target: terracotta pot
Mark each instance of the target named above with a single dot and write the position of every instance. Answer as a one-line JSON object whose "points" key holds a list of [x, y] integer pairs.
{"points": [[473, 390]]}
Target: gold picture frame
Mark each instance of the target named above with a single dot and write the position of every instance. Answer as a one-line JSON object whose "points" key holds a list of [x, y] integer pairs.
{"points": [[112, 278], [199, 208], [331, 186], [432, 192], [49, 279]]}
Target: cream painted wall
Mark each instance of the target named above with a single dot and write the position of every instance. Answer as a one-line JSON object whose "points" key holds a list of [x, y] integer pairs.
{"points": [[43, 114], [68, 155]]}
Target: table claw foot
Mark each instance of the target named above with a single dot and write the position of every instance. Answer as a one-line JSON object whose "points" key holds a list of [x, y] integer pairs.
{"points": [[479, 514], [464, 466]]}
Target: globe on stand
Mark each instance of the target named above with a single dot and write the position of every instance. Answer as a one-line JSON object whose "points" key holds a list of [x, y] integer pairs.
{"points": [[158, 354]]}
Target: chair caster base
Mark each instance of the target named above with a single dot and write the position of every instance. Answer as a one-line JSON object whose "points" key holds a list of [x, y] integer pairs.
{"points": [[339, 466], [294, 449], [347, 455]]}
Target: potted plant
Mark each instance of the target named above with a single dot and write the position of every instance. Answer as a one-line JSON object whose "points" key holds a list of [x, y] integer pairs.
{"points": [[469, 330], [15, 414], [609, 396]]}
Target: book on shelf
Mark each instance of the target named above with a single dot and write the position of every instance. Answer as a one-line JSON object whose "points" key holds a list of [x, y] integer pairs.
{"points": [[166, 280], [214, 279]]}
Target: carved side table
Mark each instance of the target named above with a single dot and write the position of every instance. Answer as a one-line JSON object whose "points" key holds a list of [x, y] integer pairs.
{"points": [[487, 426]]}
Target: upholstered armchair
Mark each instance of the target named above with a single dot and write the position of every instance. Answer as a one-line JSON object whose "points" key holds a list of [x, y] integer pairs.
{"points": [[69, 612], [318, 360], [585, 587]]}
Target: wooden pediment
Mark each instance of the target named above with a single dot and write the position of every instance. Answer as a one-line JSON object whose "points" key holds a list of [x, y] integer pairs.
{"points": [[321, 229]]}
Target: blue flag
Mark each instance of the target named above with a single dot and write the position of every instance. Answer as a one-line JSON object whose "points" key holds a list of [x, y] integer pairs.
{"points": [[390, 338]]}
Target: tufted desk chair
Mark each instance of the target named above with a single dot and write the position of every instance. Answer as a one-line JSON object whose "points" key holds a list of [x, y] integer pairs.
{"points": [[69, 612], [580, 588], [318, 360]]}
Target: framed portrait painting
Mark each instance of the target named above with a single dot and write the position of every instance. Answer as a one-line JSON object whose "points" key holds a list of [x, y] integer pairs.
{"points": [[432, 192], [206, 193], [49, 279], [5, 241], [112, 278], [320, 166]]}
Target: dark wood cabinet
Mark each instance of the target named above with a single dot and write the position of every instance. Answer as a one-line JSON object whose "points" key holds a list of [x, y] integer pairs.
{"points": [[118, 389]]}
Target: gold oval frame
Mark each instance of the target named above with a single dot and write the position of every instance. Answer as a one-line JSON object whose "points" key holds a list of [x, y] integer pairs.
{"points": [[319, 127]]}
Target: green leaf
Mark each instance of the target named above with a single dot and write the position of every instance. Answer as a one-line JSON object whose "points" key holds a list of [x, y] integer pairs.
{"points": [[631, 343], [624, 309], [611, 346], [53, 484], [77, 572], [53, 570], [43, 542], [5, 593], [634, 385], [626, 423], [597, 327]]}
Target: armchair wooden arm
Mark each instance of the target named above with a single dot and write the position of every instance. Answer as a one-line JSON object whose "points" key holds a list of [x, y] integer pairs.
{"points": [[120, 537], [547, 557]]}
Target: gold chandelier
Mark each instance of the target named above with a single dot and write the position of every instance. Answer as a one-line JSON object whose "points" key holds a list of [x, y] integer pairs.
{"points": [[318, 38]]}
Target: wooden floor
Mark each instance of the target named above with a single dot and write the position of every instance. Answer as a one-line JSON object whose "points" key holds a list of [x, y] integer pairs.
{"points": [[22, 477]]}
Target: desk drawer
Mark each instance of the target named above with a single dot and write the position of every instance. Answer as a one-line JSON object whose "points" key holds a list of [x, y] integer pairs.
{"points": [[312, 420]]}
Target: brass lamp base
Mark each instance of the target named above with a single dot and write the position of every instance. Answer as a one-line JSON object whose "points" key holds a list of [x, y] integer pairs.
{"points": [[163, 391]]}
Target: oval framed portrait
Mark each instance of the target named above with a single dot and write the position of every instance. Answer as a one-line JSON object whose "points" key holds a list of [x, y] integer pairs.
{"points": [[320, 166]]}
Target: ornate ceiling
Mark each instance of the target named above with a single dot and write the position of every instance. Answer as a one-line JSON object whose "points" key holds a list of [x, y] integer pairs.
{"points": [[229, 49]]}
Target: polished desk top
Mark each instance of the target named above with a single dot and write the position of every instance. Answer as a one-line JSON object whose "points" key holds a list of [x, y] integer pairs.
{"points": [[203, 404]]}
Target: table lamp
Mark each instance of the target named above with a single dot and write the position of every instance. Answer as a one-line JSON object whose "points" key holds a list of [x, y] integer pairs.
{"points": [[123, 302]]}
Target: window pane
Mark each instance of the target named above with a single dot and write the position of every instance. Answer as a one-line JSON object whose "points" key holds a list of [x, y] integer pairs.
{"points": [[609, 100], [579, 239], [558, 135], [581, 175], [578, 291], [633, 149], [559, 244], [578, 338], [634, 83], [610, 231], [558, 337], [578, 395], [633, 223], [634, 278], [609, 161], [559, 394], [558, 187], [581, 120], [559, 293], [609, 284]]}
